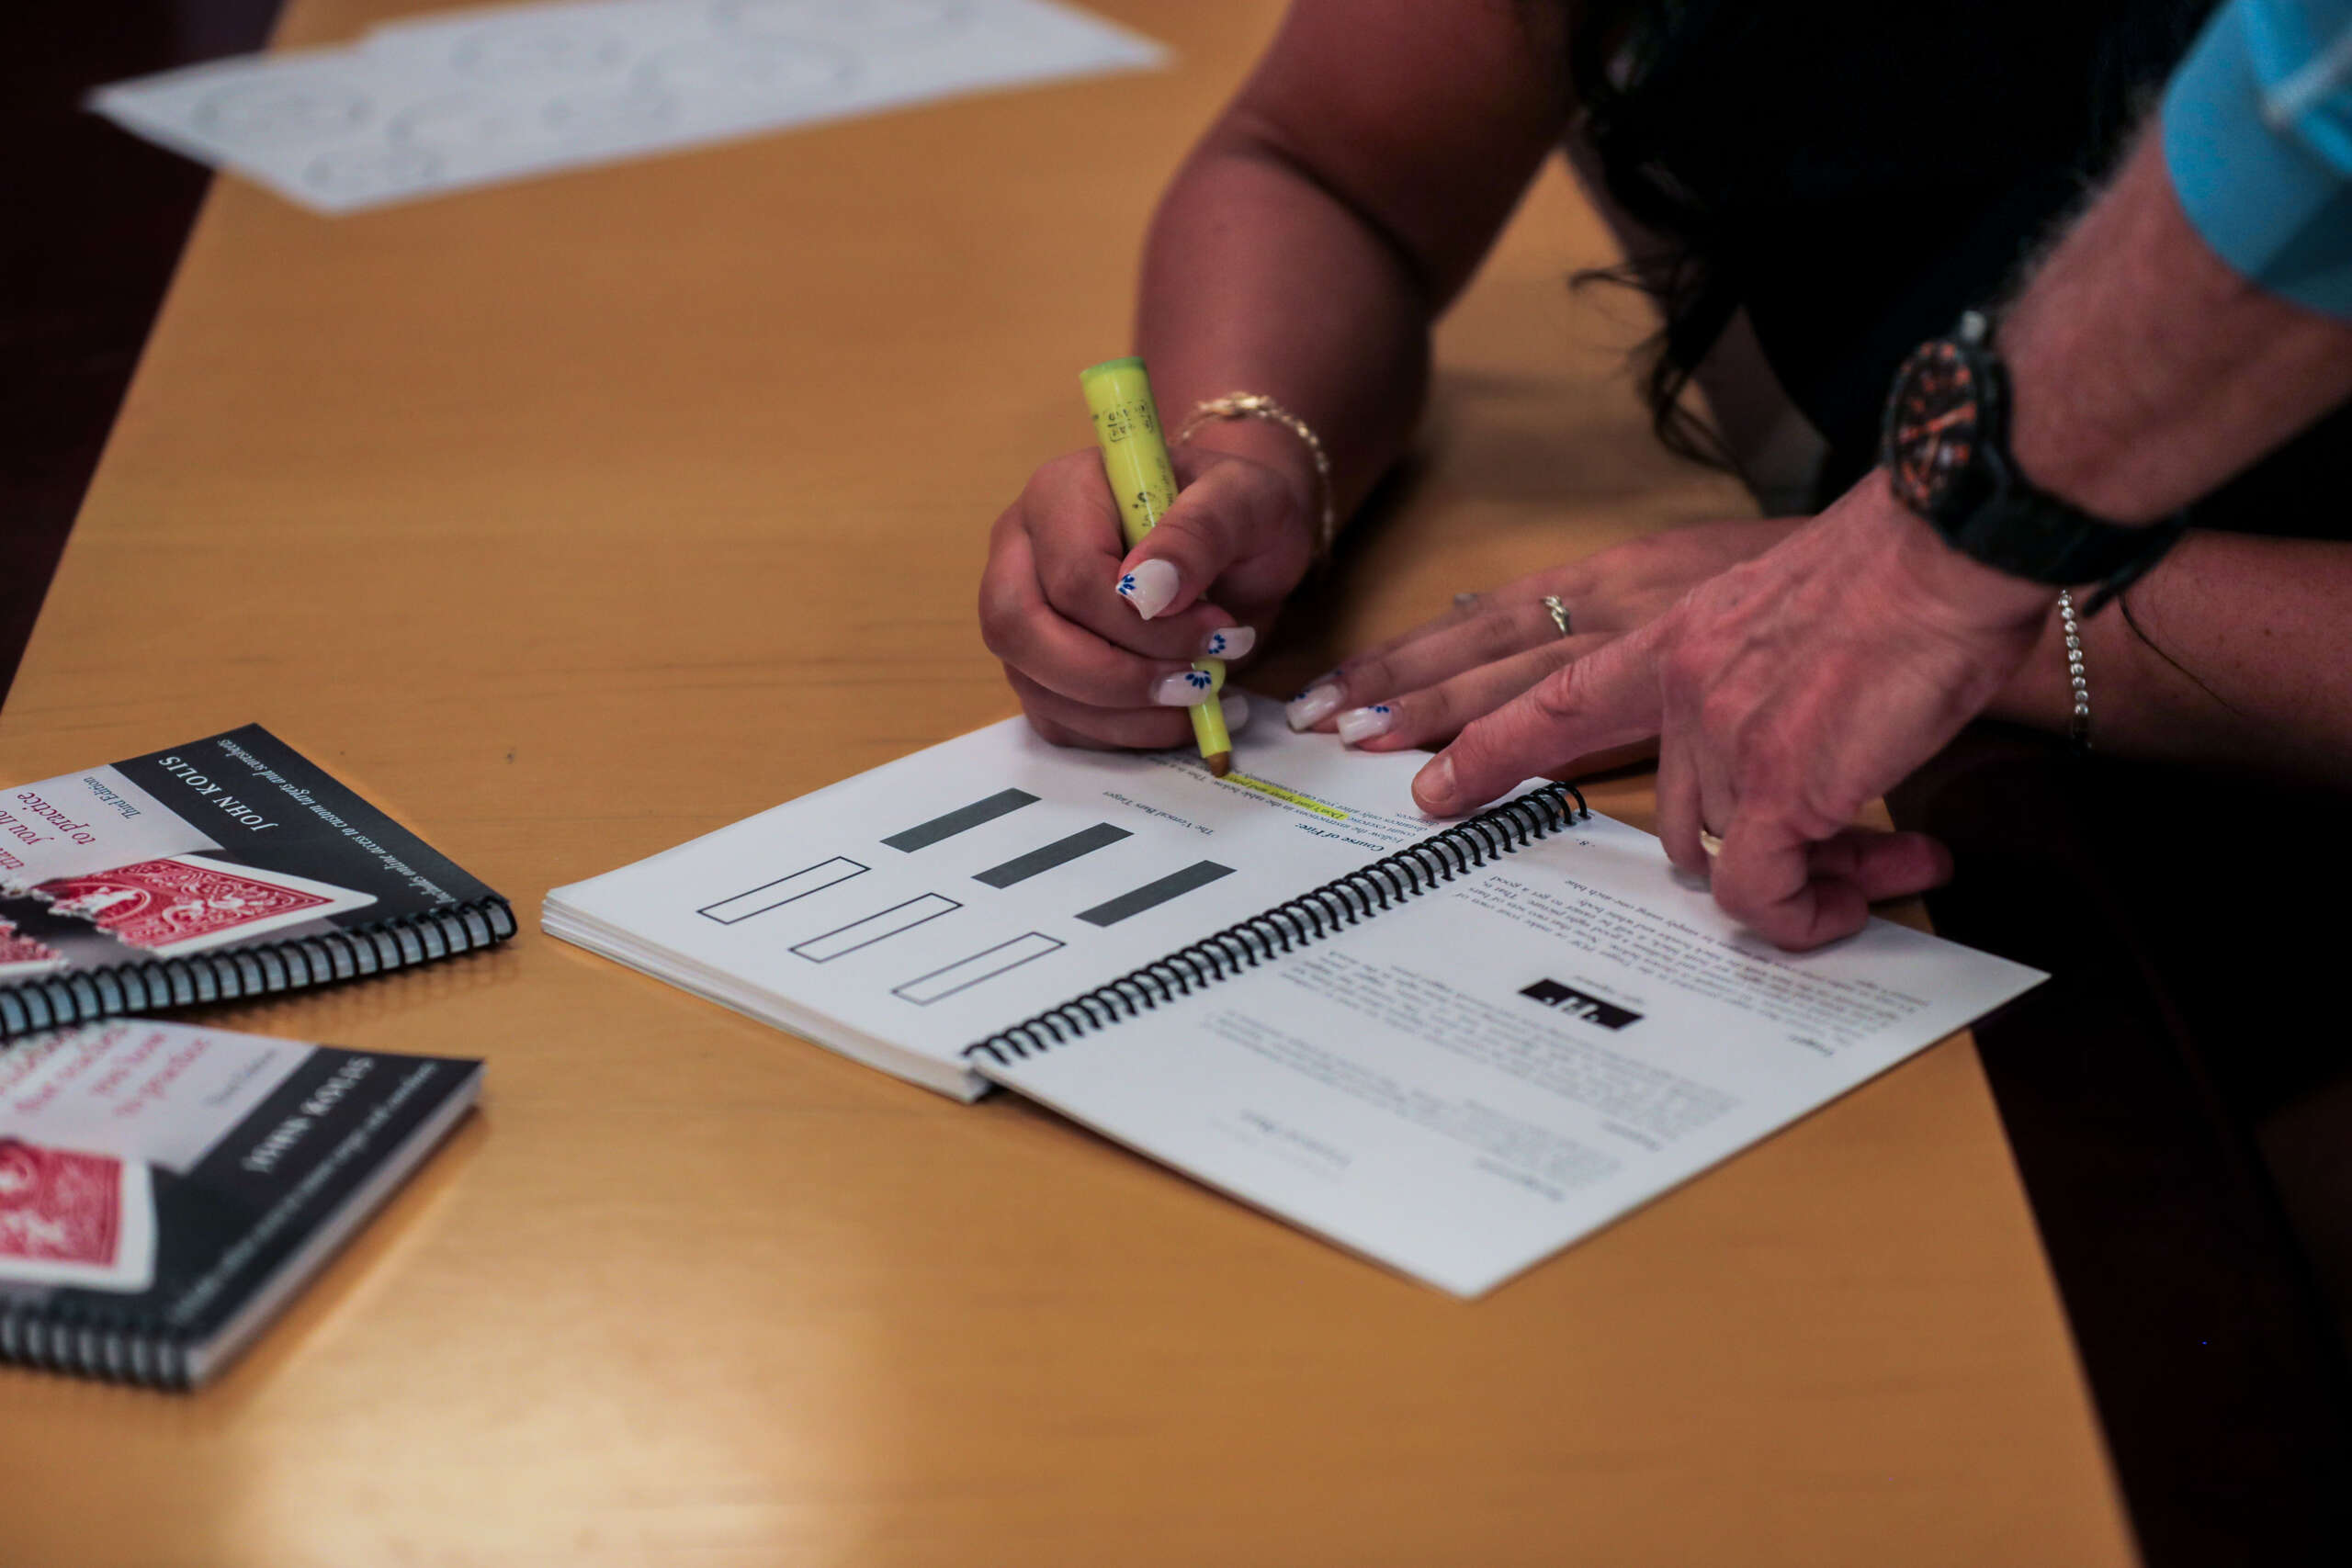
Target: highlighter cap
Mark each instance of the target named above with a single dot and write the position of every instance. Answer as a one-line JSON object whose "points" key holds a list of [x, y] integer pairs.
{"points": [[1131, 362]]}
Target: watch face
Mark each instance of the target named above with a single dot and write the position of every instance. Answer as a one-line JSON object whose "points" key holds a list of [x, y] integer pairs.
{"points": [[1935, 427]]}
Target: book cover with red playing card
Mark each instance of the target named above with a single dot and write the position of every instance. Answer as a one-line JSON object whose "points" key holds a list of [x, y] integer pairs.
{"points": [[165, 1189], [230, 867]]}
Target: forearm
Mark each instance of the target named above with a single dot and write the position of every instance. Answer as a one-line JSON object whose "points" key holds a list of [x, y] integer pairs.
{"points": [[1256, 280], [2146, 371], [1336, 206], [2260, 673]]}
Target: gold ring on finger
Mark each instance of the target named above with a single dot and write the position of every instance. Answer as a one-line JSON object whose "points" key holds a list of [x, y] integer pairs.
{"points": [[1558, 612]]}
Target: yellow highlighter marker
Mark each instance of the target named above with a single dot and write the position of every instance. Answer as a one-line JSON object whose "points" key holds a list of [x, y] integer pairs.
{"points": [[1134, 459]]}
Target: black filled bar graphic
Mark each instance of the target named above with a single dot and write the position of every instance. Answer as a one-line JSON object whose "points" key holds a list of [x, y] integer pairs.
{"points": [[1061, 852], [1151, 895], [875, 927], [782, 891], [924, 834], [986, 964]]}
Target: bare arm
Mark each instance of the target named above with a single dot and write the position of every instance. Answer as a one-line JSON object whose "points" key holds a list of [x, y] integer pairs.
{"points": [[2246, 660], [1302, 251], [2147, 372], [1789, 690], [1338, 206]]}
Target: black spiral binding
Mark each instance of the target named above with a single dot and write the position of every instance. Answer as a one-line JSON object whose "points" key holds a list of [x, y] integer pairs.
{"points": [[1354, 897], [232, 973], [94, 1342]]}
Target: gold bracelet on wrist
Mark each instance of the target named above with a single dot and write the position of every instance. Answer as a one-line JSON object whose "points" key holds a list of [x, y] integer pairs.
{"points": [[1257, 405]]}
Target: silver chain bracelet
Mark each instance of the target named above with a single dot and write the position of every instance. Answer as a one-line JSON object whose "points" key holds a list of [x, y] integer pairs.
{"points": [[2078, 724]]}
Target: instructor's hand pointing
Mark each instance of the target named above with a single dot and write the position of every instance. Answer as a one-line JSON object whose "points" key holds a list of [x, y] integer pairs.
{"points": [[1786, 693]]}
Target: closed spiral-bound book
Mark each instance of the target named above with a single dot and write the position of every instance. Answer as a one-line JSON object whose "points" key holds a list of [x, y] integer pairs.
{"points": [[165, 1189], [228, 868], [1461, 1047]]}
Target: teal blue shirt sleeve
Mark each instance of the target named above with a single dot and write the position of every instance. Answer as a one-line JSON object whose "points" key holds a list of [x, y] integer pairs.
{"points": [[2258, 138]]}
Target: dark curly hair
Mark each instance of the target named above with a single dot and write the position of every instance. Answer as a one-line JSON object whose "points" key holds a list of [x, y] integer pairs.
{"points": [[1815, 162]]}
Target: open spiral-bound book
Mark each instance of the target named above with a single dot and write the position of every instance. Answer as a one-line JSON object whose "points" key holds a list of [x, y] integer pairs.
{"points": [[1452, 1048]]}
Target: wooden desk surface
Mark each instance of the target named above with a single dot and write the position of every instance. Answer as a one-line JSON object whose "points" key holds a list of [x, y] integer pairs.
{"points": [[573, 518]]}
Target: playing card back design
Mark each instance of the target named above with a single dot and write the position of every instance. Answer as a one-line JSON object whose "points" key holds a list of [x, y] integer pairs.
{"points": [[16, 948], [162, 903], [58, 1206]]}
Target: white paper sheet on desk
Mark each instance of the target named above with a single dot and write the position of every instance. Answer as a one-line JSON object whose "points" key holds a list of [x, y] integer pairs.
{"points": [[463, 98]]}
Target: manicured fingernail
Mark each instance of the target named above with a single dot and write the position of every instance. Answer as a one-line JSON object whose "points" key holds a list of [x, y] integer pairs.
{"points": [[1434, 785], [1360, 724], [1183, 689], [1236, 708], [1313, 706], [1149, 587], [1229, 642]]}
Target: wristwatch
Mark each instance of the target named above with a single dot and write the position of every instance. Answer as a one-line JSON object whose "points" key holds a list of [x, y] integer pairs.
{"points": [[1945, 447]]}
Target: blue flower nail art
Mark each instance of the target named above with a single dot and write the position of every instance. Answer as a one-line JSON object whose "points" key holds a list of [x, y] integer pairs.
{"points": [[1381, 708], [1217, 644], [1198, 680], [1127, 586]]}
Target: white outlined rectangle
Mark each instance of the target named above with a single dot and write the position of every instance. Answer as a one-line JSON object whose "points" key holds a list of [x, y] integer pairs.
{"points": [[782, 890], [874, 928], [986, 964]]}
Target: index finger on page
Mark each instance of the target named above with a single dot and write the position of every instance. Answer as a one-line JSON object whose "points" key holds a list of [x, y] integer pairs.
{"points": [[1608, 699]]}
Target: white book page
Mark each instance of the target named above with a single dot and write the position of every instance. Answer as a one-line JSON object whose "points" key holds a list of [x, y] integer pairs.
{"points": [[958, 891], [1463, 1084]]}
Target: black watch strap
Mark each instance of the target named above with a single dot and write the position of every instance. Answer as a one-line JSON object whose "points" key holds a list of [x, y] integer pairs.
{"points": [[1945, 445], [2025, 532]]}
